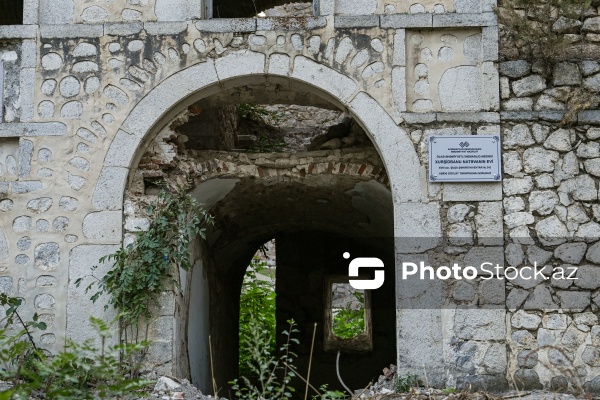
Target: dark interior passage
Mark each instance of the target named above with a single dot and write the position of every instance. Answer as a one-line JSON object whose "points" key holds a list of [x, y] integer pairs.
{"points": [[314, 222], [11, 12], [306, 261]]}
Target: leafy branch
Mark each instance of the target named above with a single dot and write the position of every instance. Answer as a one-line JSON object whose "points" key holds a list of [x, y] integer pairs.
{"points": [[141, 269]]}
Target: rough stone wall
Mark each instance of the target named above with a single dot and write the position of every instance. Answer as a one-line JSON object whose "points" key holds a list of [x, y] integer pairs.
{"points": [[551, 214]]}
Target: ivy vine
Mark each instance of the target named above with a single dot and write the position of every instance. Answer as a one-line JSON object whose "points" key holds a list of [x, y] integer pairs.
{"points": [[142, 270]]}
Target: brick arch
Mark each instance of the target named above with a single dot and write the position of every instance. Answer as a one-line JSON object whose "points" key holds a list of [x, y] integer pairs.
{"points": [[185, 87]]}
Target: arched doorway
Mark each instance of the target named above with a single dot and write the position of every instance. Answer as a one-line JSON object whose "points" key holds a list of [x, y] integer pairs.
{"points": [[312, 83]]}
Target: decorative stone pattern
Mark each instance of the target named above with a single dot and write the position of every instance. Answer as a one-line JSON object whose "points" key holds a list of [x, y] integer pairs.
{"points": [[444, 71]]}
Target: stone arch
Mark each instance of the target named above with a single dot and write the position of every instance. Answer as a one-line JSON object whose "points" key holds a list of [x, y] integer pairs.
{"points": [[185, 87], [188, 85]]}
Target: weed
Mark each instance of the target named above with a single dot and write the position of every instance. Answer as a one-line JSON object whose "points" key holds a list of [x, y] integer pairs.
{"points": [[530, 26], [140, 270], [272, 374], [405, 382], [349, 322], [81, 371], [257, 306]]}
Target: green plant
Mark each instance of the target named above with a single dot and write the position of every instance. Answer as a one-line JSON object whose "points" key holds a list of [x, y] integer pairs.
{"points": [[405, 382], [537, 27], [257, 306], [272, 374], [449, 390], [349, 322], [255, 112], [80, 371], [329, 394], [140, 270], [17, 350], [266, 144]]}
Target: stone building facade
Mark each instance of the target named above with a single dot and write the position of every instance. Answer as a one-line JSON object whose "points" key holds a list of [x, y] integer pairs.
{"points": [[94, 94]]}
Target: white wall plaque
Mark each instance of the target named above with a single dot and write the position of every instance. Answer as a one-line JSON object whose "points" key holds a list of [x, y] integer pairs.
{"points": [[464, 158]]}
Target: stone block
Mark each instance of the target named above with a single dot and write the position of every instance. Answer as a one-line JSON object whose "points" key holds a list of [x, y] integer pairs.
{"points": [[110, 187], [488, 221], [56, 12], [574, 301], [591, 117], [18, 31], [27, 88], [220, 25], [355, 7], [588, 277], [518, 218], [238, 63], [165, 28], [480, 324], [399, 21], [399, 54], [395, 147], [356, 21], [490, 88], [122, 150], [339, 85], [399, 88], [552, 116], [468, 6], [71, 31], [123, 28], [25, 154], [515, 69], [29, 55], [551, 231], [290, 24], [421, 349], [26, 186], [519, 115], [31, 12], [324, 7], [279, 64], [419, 227], [104, 226], [464, 19], [566, 73], [529, 85], [490, 43], [79, 306], [527, 379], [540, 299], [460, 89], [177, 10], [419, 118], [475, 117], [161, 99], [472, 191]]}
